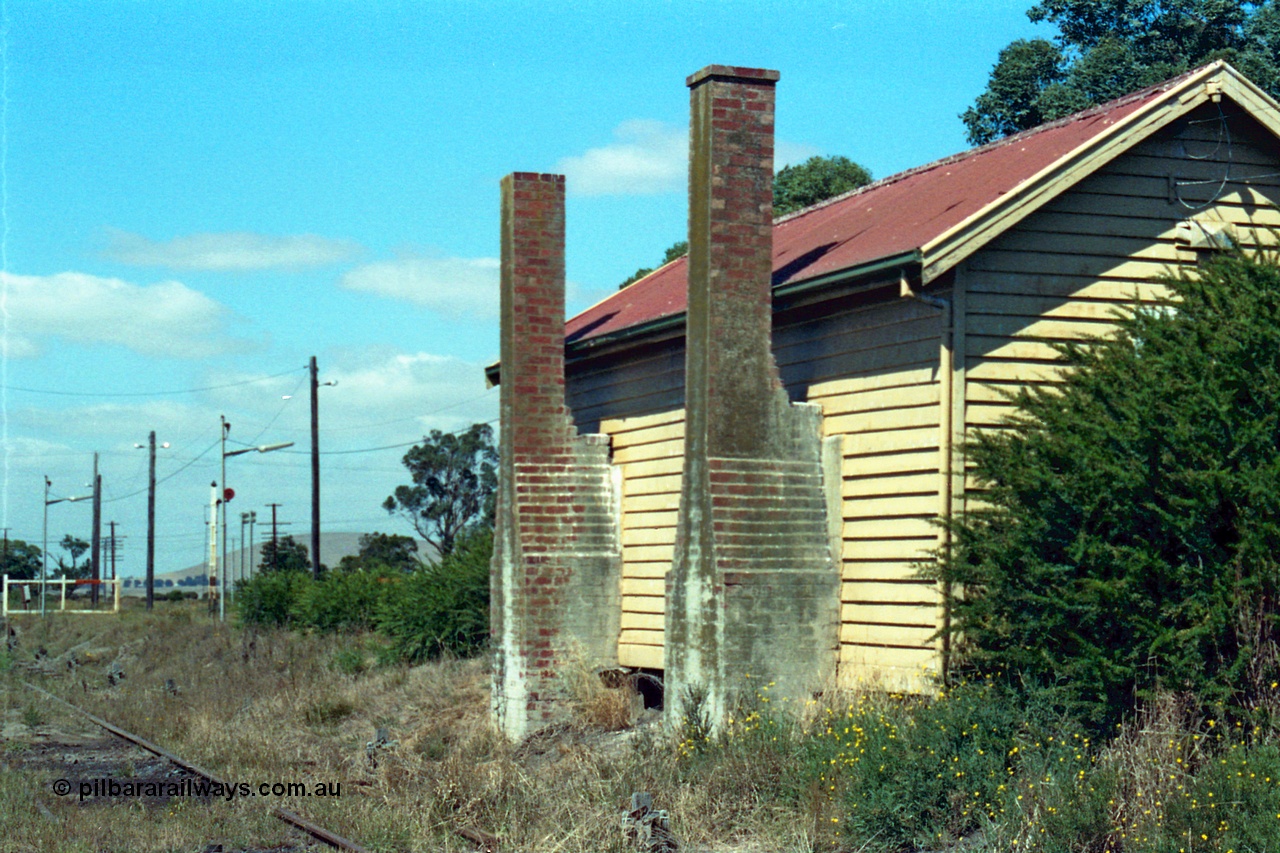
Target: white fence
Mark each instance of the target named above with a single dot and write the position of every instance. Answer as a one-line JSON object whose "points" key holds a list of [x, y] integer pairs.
{"points": [[31, 595]]}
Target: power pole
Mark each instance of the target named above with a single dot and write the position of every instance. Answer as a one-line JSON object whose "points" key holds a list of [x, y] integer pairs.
{"points": [[96, 553], [315, 470], [114, 543], [151, 526], [253, 519], [275, 542]]}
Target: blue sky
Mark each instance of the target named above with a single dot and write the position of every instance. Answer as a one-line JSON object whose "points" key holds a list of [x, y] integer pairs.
{"points": [[202, 195]]}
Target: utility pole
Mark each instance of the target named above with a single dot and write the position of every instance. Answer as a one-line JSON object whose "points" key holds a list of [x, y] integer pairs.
{"points": [[315, 470], [275, 542], [112, 546], [96, 553], [253, 518], [151, 526], [4, 561]]}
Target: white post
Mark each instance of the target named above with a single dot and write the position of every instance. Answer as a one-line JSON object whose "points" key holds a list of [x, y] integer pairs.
{"points": [[213, 545], [64, 594], [6, 595], [116, 583]]}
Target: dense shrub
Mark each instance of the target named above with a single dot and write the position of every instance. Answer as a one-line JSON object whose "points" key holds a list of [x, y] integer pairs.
{"points": [[434, 609], [269, 598], [1131, 538], [340, 601], [443, 607]]}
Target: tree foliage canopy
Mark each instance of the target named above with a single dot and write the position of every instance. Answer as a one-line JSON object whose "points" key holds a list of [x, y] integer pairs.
{"points": [[675, 250], [284, 555], [21, 560], [455, 481], [382, 551], [1108, 48], [816, 179], [1131, 538], [75, 548]]}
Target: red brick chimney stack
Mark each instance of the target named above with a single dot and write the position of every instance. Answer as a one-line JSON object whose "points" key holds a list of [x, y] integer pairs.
{"points": [[731, 251], [557, 560]]}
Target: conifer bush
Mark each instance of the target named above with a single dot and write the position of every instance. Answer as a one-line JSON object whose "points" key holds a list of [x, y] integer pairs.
{"points": [[1130, 533]]}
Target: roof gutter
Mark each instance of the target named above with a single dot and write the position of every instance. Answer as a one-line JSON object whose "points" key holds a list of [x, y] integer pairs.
{"points": [[912, 258]]}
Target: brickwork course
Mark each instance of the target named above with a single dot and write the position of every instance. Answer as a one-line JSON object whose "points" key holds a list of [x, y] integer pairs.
{"points": [[557, 555], [753, 592]]}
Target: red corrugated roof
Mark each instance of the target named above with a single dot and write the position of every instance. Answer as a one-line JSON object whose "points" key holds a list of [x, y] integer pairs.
{"points": [[887, 218]]}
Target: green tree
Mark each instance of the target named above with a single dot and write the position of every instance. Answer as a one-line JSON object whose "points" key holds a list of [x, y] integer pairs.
{"points": [[816, 179], [1107, 48], [284, 555], [675, 250], [21, 560], [455, 481], [1131, 538], [75, 548], [380, 551]]}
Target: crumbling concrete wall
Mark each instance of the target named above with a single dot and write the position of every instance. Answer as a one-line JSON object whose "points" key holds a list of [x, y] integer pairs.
{"points": [[557, 553], [753, 594]]}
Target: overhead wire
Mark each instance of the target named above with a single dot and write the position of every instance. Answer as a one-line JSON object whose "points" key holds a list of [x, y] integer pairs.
{"points": [[1224, 131], [168, 476], [149, 393]]}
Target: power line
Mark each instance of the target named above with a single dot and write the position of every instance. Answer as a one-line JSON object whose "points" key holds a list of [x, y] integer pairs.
{"points": [[148, 393], [170, 475], [386, 446]]}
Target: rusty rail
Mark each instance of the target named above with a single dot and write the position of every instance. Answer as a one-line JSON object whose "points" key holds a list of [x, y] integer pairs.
{"points": [[317, 832]]}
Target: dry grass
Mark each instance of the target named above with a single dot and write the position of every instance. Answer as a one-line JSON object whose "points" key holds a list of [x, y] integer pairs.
{"points": [[274, 706], [278, 707]]}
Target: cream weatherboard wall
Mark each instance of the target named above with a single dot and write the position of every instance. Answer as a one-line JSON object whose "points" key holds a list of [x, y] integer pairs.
{"points": [[892, 389], [1065, 271]]}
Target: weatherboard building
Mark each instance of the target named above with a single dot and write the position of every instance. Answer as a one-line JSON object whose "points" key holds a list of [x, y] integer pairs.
{"points": [[730, 471]]}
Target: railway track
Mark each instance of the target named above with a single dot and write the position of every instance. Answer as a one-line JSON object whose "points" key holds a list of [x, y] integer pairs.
{"points": [[317, 832]]}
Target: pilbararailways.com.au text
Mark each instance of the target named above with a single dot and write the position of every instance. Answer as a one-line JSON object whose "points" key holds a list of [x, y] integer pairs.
{"points": [[113, 788]]}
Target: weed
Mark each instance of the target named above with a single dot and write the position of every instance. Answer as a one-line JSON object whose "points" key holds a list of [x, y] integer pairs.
{"points": [[31, 717], [349, 660], [326, 712]]}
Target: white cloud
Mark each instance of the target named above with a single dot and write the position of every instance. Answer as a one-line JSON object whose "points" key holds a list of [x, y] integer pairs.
{"points": [[455, 286], [791, 154], [418, 391], [234, 250], [648, 157], [163, 319], [380, 396]]}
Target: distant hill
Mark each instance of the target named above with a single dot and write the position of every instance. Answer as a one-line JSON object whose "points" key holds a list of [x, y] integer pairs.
{"points": [[333, 547]]}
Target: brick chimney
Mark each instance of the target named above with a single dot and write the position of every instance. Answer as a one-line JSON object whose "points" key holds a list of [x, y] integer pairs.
{"points": [[557, 554], [753, 594]]}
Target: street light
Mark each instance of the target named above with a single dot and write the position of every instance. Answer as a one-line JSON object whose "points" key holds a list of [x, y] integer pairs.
{"points": [[226, 495], [44, 552]]}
